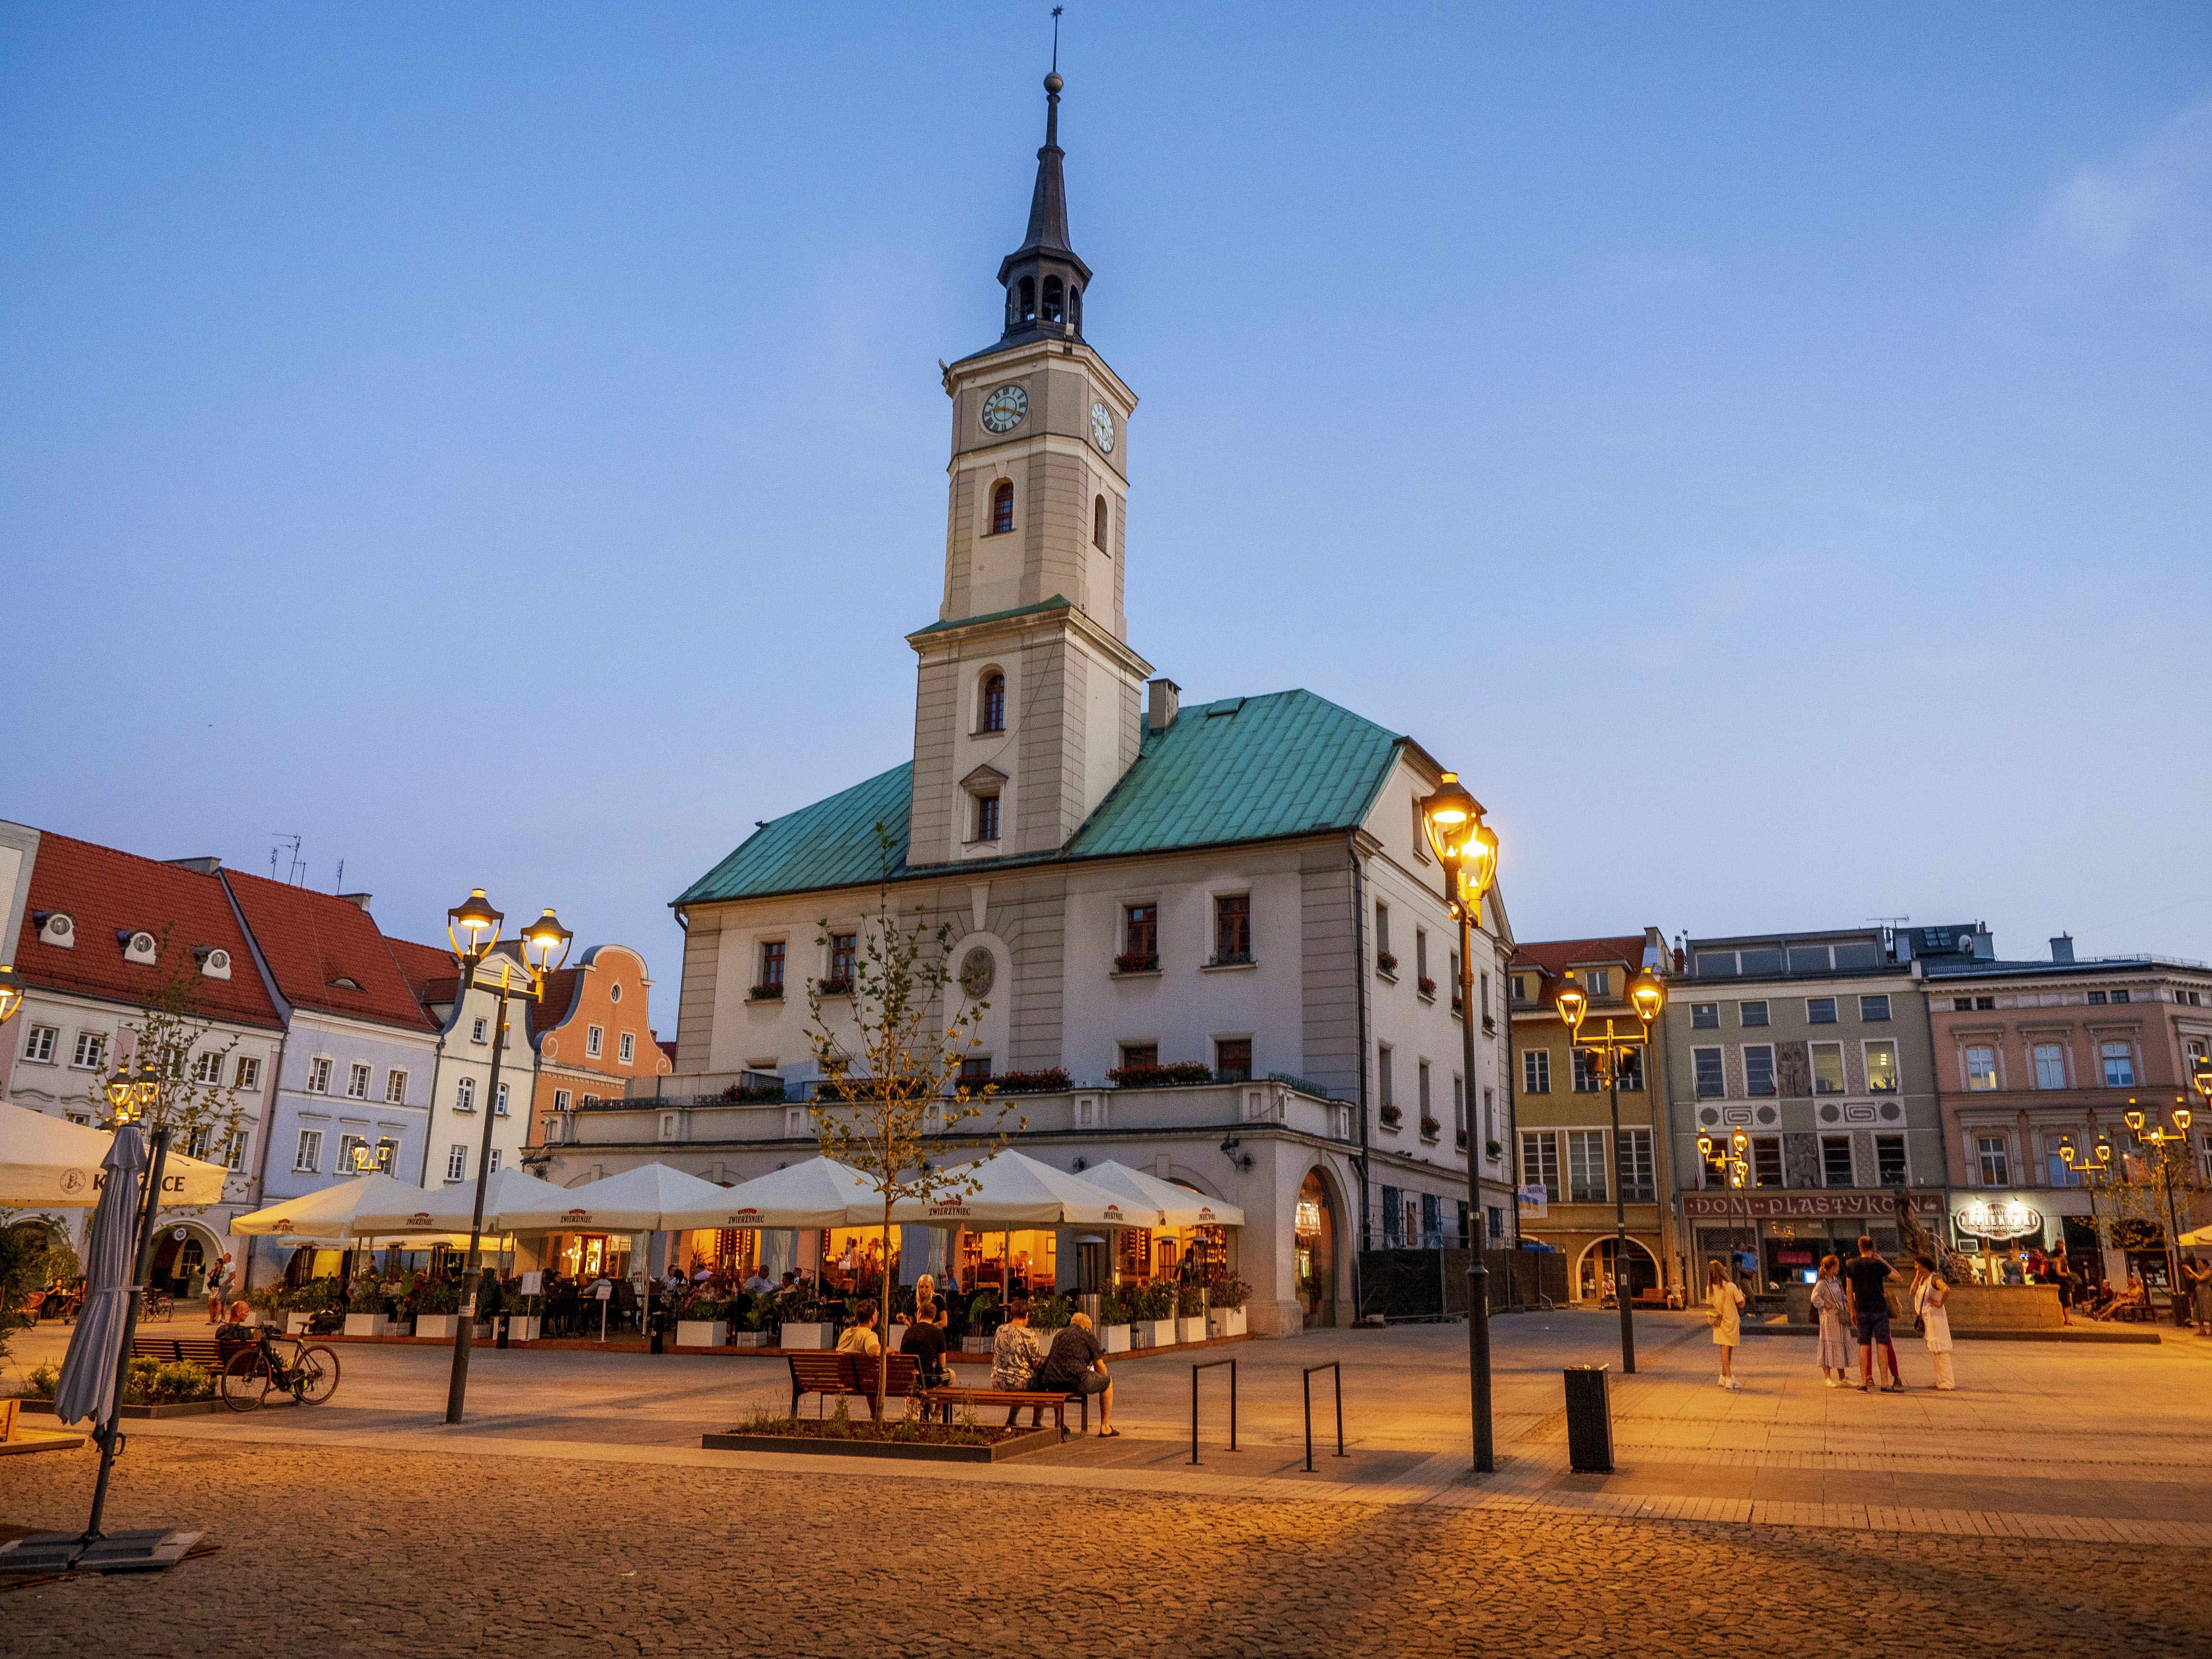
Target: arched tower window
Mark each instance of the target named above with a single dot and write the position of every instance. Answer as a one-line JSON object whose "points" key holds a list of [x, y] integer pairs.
{"points": [[995, 704], [1098, 524], [1002, 508], [1075, 307], [1053, 312], [1028, 299]]}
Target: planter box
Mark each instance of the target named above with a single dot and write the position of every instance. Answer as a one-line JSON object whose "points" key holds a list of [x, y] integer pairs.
{"points": [[1152, 1334], [750, 1339], [181, 1408], [522, 1329], [981, 1344], [1192, 1329], [1036, 1440], [1225, 1321], [480, 1331], [367, 1324], [441, 1325], [295, 1324], [1114, 1339], [806, 1336], [701, 1332]]}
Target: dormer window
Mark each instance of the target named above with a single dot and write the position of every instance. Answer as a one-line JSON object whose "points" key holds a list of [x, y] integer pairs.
{"points": [[995, 704], [138, 946], [55, 929], [1002, 508], [342, 983], [214, 960]]}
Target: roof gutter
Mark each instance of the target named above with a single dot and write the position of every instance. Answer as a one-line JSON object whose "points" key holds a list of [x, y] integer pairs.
{"points": [[1359, 1002]]}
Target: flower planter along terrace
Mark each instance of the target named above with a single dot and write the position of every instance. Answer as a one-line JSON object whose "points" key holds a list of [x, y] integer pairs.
{"points": [[1153, 1333], [441, 1326], [911, 1439], [1182, 1073], [805, 1336], [701, 1334]]}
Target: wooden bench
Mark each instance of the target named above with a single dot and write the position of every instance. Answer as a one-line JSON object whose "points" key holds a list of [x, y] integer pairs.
{"points": [[1015, 1401], [205, 1352], [825, 1374]]}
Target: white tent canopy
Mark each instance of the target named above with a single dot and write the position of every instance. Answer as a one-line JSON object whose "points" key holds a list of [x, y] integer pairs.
{"points": [[52, 1163], [1013, 1190], [649, 1198], [819, 1193], [330, 1213], [2203, 1235], [1179, 1206], [449, 1209]]}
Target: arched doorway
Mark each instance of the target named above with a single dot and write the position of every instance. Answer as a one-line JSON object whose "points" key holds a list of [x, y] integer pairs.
{"points": [[1313, 1242], [1596, 1272], [183, 1253]]}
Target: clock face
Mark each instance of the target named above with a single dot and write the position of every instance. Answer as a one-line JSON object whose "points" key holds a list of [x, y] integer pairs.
{"points": [[1003, 410], [1102, 427]]}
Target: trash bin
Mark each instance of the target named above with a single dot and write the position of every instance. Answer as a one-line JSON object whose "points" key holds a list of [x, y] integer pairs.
{"points": [[1589, 1420]]}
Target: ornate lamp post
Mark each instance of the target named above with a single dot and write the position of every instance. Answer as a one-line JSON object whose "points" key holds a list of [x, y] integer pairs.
{"points": [[1609, 1055], [2089, 1168], [545, 948], [2160, 1137], [11, 992], [1467, 848]]}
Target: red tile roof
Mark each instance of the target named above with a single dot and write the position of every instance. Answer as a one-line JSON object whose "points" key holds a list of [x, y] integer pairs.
{"points": [[311, 941], [668, 1047], [424, 964], [104, 892], [562, 989], [1552, 959]]}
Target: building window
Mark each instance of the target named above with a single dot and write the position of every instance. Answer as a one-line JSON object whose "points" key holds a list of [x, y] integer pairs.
{"points": [[1232, 927], [1874, 1008], [1136, 1054], [995, 704], [395, 1088], [595, 1039], [1750, 1013], [1758, 1069], [844, 952], [91, 1050], [1996, 1167], [1421, 956], [560, 1100], [1141, 932], [1585, 1071], [234, 1149], [357, 1078], [2050, 1065], [1633, 1151], [2119, 996], [1428, 1115], [1827, 1068], [477, 1031], [2055, 1158], [1819, 1011], [1536, 1072], [987, 818], [1981, 1068], [319, 1077], [626, 1050], [1586, 1166], [1631, 1071], [1497, 1213], [1098, 524], [308, 1156], [39, 1045], [1984, 1004], [1459, 1108], [1766, 1161], [1232, 1060], [771, 970], [1598, 981], [1889, 1160], [1836, 1161], [207, 1068], [1002, 504], [1705, 1016], [1392, 1210], [1711, 1078], [2097, 997], [1540, 1163], [1383, 1078], [1489, 1114], [1052, 301], [1965, 1005], [465, 1094], [1484, 980], [1882, 1068], [2119, 1064], [456, 1162], [1384, 958], [249, 1073], [499, 1105], [976, 1068], [347, 1164]]}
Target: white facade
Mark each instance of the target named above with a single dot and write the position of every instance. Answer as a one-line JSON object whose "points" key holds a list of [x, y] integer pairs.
{"points": [[461, 1091]]}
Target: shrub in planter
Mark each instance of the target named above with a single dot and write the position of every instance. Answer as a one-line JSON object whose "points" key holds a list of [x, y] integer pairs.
{"points": [[316, 1296], [1050, 1312], [1137, 963], [765, 993], [841, 987], [1428, 986], [270, 1298], [1159, 1077], [437, 1295], [1189, 1302], [1431, 1128], [1224, 1290], [43, 1381], [1386, 962], [762, 1095], [1391, 1117], [368, 1297], [1050, 1081], [1490, 1148]]}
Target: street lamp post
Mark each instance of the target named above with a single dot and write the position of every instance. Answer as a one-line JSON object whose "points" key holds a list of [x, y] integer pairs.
{"points": [[1467, 848], [1609, 1056], [2159, 1136], [545, 948], [2089, 1168]]}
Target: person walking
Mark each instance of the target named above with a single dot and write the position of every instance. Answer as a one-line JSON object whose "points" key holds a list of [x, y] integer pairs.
{"points": [[1832, 1306], [2199, 1279], [1929, 1291], [218, 1288], [2061, 1274], [1870, 1313], [1724, 1313]]}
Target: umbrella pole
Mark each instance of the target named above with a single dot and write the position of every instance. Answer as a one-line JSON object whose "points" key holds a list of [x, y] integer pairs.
{"points": [[110, 1440]]}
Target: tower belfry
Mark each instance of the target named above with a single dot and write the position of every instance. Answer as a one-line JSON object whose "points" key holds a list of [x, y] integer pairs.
{"points": [[1027, 706]]}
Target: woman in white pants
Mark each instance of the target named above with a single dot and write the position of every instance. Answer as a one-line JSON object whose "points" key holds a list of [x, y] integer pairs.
{"points": [[1930, 1290], [1831, 1306], [1724, 1312]]}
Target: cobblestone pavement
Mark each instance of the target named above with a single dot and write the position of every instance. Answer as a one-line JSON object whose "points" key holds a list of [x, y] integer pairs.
{"points": [[339, 1550]]}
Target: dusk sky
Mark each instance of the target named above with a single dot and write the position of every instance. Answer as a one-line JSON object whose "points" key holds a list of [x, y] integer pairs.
{"points": [[1767, 449]]}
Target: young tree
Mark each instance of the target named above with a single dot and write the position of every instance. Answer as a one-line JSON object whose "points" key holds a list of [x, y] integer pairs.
{"points": [[893, 1105]]}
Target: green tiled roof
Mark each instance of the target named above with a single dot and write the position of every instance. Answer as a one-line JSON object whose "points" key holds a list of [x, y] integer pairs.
{"points": [[1245, 768], [1055, 603]]}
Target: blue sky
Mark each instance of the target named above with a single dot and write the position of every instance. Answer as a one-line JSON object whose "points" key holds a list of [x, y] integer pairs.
{"points": [[1765, 448]]}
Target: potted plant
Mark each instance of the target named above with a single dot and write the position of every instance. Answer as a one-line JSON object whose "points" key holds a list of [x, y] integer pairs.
{"points": [[840, 986], [1227, 1295], [269, 1303], [525, 1320], [302, 1304], [1431, 1128], [368, 1311], [704, 1323], [1114, 1323], [765, 993], [1190, 1314], [753, 1330], [1160, 1077], [1428, 986], [799, 1323], [1050, 1312], [1385, 962], [1391, 1116], [1137, 961], [1051, 1080], [438, 1309], [1154, 1326]]}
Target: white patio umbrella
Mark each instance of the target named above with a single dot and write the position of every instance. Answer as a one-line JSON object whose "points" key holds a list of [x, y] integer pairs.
{"points": [[451, 1209], [86, 1388], [638, 1200], [331, 1212], [1179, 1206], [52, 1163], [819, 1193], [2202, 1236], [1013, 1190]]}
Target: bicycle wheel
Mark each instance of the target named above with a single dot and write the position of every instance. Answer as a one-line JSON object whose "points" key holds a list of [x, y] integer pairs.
{"points": [[160, 1305], [245, 1380], [315, 1376]]}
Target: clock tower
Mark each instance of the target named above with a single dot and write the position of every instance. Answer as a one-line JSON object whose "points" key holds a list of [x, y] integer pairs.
{"points": [[1026, 711]]}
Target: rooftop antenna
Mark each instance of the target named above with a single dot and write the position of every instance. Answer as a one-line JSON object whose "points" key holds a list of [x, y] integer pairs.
{"points": [[298, 866], [340, 888]]}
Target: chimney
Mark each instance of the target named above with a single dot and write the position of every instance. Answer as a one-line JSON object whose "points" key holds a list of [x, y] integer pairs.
{"points": [[1160, 710], [1986, 945], [2062, 949], [359, 901], [206, 866]]}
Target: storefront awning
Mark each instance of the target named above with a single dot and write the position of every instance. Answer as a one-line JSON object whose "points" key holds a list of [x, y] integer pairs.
{"points": [[1179, 1206], [50, 1163]]}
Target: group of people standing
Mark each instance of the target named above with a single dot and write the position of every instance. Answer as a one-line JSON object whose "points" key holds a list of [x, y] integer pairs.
{"points": [[1850, 1299]]}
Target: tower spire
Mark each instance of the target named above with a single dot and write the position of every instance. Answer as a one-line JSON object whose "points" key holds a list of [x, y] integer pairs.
{"points": [[1044, 278]]}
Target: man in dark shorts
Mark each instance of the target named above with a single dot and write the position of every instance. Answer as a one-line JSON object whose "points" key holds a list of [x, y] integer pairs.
{"points": [[1870, 1312], [925, 1340], [1077, 1365]]}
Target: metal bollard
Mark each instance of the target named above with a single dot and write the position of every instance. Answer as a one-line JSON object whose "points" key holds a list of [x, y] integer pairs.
{"points": [[1207, 1365], [1305, 1386], [1589, 1420]]}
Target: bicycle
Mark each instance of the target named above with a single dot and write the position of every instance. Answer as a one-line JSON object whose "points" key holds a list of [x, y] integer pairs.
{"points": [[310, 1376], [160, 1305]]}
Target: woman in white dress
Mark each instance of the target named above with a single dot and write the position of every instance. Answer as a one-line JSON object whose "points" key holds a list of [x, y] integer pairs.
{"points": [[1929, 1291], [1831, 1306], [1724, 1312]]}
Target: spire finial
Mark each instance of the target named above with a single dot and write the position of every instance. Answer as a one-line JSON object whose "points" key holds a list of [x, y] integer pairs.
{"points": [[1053, 83]]}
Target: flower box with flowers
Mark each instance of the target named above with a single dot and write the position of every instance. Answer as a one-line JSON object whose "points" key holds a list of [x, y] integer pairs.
{"points": [[1131, 962], [1385, 962], [1431, 1128], [1428, 986], [1050, 1081], [841, 987], [1391, 1116], [765, 993], [761, 1094], [1181, 1074]]}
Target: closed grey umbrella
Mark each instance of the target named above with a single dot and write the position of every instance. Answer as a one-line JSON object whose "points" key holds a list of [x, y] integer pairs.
{"points": [[96, 1349]]}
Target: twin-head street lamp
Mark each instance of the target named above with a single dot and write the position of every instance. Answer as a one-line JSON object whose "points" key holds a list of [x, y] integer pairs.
{"points": [[131, 1092], [545, 948], [1609, 1055], [1467, 848], [1735, 1159], [2159, 1136]]}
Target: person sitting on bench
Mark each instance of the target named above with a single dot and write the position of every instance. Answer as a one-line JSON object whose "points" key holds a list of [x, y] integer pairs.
{"points": [[925, 1339], [860, 1336], [1016, 1353], [1077, 1365], [237, 1326]]}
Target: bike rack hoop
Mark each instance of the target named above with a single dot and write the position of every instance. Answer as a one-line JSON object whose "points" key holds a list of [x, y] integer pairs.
{"points": [[1207, 1365], [1305, 1388]]}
